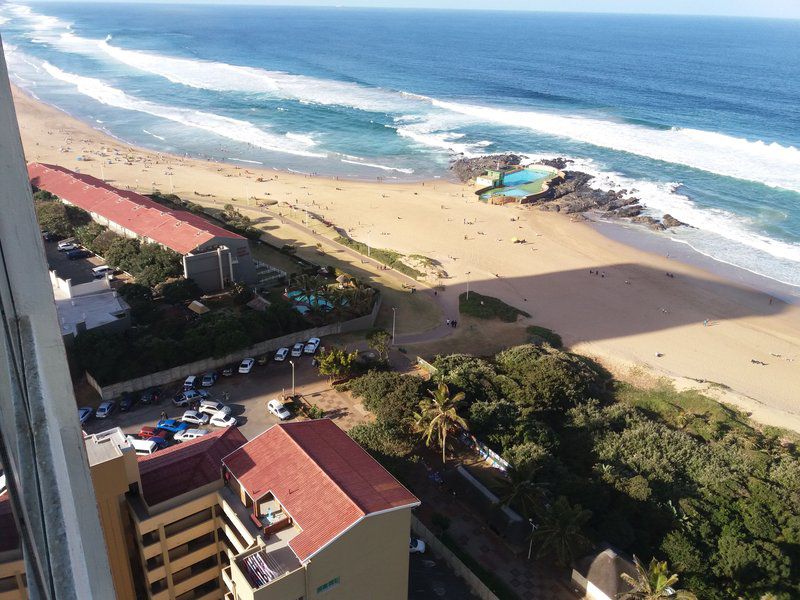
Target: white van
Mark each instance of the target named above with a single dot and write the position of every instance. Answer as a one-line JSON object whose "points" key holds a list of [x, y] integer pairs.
{"points": [[143, 447], [190, 383], [103, 271]]}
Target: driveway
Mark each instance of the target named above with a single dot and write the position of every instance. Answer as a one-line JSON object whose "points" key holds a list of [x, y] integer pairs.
{"points": [[429, 577]]}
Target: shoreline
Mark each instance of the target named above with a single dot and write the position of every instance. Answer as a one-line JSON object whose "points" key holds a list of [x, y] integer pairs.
{"points": [[625, 317]]}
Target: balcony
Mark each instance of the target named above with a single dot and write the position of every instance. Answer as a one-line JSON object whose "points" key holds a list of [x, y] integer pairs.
{"points": [[272, 562]]}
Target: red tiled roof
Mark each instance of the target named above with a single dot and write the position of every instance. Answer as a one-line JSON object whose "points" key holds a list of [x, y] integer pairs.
{"points": [[180, 230], [186, 466], [323, 479], [9, 534]]}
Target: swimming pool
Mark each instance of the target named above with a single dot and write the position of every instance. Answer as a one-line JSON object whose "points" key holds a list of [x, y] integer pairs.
{"points": [[311, 300], [524, 176]]}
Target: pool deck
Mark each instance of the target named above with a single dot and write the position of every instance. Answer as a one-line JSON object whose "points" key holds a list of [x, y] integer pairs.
{"points": [[521, 191]]}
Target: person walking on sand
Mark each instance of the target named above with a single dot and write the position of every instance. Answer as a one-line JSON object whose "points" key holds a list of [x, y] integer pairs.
{"points": [[447, 322], [705, 323]]}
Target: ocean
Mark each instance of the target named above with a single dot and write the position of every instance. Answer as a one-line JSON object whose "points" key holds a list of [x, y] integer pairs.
{"points": [[700, 116]]}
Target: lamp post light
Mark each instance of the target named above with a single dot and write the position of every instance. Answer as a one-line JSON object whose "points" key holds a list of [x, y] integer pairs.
{"points": [[291, 362], [530, 546], [468, 273], [394, 322]]}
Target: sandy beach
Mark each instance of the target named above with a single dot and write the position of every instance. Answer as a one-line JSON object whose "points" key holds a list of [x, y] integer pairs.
{"points": [[627, 312]]}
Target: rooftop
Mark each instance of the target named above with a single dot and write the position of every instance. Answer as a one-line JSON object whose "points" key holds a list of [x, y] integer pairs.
{"points": [[604, 570], [186, 466], [179, 230], [105, 445], [93, 309], [325, 481]]}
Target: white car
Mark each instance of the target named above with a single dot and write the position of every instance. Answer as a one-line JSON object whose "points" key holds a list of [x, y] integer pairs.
{"points": [[85, 413], [297, 349], [311, 346], [416, 545], [105, 409], [212, 407], [189, 434], [281, 354], [247, 365], [194, 417], [222, 419], [277, 408], [67, 246]]}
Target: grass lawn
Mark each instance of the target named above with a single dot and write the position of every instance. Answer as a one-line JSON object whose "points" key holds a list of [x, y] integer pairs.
{"points": [[390, 258], [487, 307]]}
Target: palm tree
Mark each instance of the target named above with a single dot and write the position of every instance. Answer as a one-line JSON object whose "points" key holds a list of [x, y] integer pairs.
{"points": [[560, 530], [521, 488], [653, 583], [438, 417]]}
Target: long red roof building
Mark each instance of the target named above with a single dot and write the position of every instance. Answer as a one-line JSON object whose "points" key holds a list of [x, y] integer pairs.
{"points": [[181, 231]]}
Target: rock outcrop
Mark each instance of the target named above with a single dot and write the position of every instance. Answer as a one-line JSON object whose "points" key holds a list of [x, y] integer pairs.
{"points": [[572, 195]]}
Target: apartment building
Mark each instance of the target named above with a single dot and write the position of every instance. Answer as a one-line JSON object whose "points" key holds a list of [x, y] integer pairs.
{"points": [[298, 513]]}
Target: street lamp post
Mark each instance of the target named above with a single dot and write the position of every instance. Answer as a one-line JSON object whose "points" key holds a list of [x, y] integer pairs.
{"points": [[468, 274], [394, 321], [291, 362], [530, 546]]}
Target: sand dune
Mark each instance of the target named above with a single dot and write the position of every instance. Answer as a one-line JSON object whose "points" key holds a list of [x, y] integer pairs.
{"points": [[624, 318]]}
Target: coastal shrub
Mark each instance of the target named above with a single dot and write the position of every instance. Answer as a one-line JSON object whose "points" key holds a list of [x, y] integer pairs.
{"points": [[175, 291], [390, 258], [391, 396], [487, 307], [542, 335]]}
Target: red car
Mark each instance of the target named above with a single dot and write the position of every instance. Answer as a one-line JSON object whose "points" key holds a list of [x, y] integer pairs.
{"points": [[147, 432]]}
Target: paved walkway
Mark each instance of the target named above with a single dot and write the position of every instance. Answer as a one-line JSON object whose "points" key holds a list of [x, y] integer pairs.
{"points": [[530, 580]]}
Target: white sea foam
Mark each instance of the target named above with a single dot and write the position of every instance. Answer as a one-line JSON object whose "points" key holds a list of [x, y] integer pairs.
{"points": [[244, 160], [731, 230], [234, 129], [376, 166], [150, 133], [775, 165]]}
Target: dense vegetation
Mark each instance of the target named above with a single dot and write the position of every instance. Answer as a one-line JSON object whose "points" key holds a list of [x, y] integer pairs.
{"points": [[487, 307], [656, 473]]}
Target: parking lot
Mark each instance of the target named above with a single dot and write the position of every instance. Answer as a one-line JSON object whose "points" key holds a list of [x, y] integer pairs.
{"points": [[249, 394], [79, 271]]}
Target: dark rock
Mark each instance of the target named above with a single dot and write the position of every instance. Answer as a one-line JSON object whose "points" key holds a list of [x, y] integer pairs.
{"points": [[670, 221], [633, 210], [652, 223], [556, 163], [470, 168]]}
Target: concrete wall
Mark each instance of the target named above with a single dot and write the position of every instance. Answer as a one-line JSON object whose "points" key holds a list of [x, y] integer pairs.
{"points": [[210, 270], [115, 390], [459, 568], [70, 291]]}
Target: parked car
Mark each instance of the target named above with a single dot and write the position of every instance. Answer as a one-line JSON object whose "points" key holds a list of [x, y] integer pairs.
{"points": [[190, 383], [311, 346], [297, 349], [66, 246], [105, 409], [172, 425], [128, 402], [77, 254], [416, 545], [142, 447], [148, 432], [190, 434], [228, 371], [281, 354], [212, 407], [186, 398], [194, 417], [85, 413], [160, 442], [49, 236], [247, 365], [222, 419], [150, 396], [277, 408], [104, 271], [209, 379]]}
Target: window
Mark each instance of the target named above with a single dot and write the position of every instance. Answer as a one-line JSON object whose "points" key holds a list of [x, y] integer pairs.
{"points": [[327, 586]]}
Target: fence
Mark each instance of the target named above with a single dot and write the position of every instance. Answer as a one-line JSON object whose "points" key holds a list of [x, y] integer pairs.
{"points": [[160, 378], [459, 568]]}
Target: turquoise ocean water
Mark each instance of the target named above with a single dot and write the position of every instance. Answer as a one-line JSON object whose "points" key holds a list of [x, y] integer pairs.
{"points": [[701, 116]]}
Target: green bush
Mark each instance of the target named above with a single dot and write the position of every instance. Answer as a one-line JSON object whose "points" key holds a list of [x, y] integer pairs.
{"points": [[487, 307], [390, 258], [542, 335]]}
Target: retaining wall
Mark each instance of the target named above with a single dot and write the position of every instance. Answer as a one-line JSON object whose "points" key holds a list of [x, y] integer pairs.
{"points": [[114, 390], [459, 568]]}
